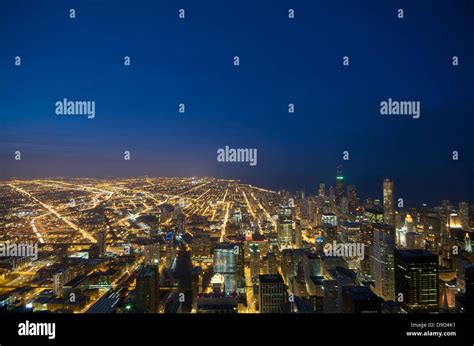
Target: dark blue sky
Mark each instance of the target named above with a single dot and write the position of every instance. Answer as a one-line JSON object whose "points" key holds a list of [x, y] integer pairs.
{"points": [[282, 61]]}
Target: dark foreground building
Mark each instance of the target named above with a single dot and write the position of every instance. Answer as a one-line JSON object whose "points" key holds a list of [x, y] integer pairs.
{"points": [[416, 281]]}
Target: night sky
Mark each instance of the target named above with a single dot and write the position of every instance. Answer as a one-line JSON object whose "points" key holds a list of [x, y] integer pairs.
{"points": [[283, 61]]}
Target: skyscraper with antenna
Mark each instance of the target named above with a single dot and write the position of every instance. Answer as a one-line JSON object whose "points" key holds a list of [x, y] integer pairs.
{"points": [[339, 185]]}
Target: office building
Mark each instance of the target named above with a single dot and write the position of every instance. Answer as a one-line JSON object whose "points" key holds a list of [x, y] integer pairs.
{"points": [[352, 197], [225, 263], [322, 190], [147, 289], [339, 185], [388, 202], [464, 215], [416, 279], [254, 262], [285, 227], [272, 294], [383, 263]]}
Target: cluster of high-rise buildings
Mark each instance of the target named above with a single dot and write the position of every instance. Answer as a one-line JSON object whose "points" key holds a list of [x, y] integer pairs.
{"points": [[414, 260]]}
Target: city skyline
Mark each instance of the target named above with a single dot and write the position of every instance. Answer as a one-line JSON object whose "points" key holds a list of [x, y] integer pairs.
{"points": [[407, 198]]}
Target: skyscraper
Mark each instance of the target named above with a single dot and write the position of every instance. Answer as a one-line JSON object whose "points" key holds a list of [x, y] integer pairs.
{"points": [[416, 279], [297, 235], [183, 276], [383, 251], [225, 263], [170, 249], [272, 293], [332, 196], [339, 185], [101, 242], [147, 289], [254, 262], [388, 202], [285, 227], [352, 196], [464, 215], [322, 190]]}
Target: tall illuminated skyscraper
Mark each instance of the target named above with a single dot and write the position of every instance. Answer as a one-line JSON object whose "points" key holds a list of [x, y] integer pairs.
{"points": [[383, 251], [225, 263], [388, 202], [339, 185], [285, 227]]}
